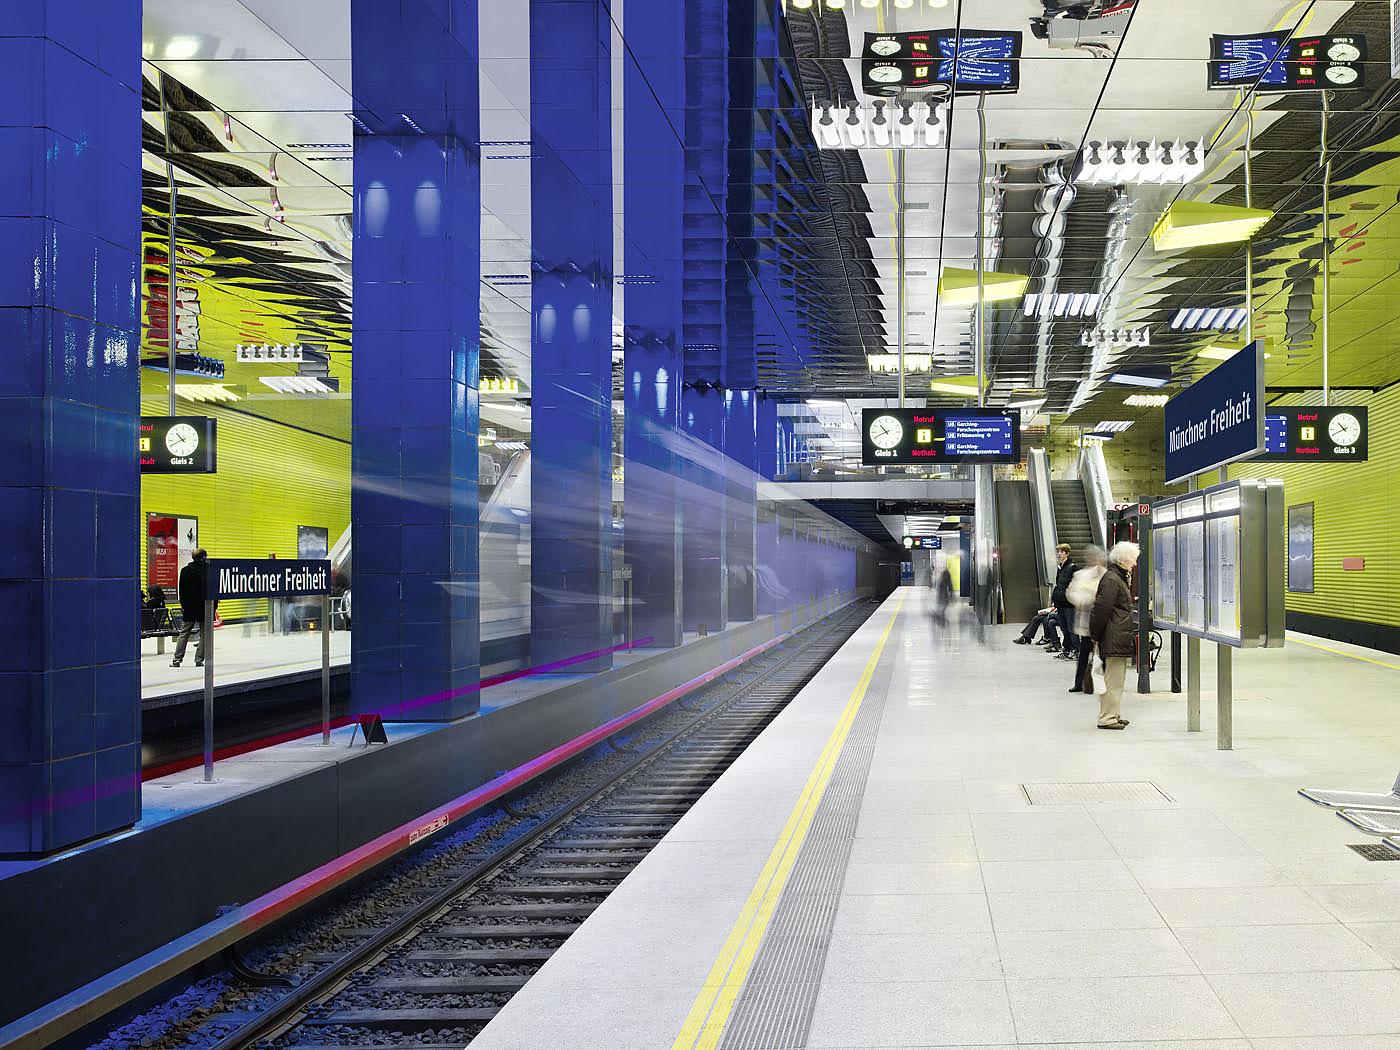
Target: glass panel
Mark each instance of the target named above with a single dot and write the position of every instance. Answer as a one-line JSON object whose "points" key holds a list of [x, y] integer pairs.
{"points": [[1191, 564], [1223, 549], [1300, 548], [1227, 499], [1164, 574]]}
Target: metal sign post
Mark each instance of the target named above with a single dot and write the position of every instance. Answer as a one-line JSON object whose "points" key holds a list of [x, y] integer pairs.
{"points": [[326, 670], [206, 642]]}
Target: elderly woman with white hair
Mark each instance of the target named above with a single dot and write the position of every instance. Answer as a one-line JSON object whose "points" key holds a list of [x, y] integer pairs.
{"points": [[1111, 627]]}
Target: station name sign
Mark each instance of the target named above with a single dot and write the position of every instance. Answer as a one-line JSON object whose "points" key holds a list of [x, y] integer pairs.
{"points": [[176, 445], [230, 578], [1218, 419]]}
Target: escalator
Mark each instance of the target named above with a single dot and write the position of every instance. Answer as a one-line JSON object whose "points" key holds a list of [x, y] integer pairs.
{"points": [[1021, 590], [1072, 521]]}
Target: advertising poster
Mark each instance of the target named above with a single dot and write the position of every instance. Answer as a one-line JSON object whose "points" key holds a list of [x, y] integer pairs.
{"points": [[1300, 548], [313, 542], [171, 541]]}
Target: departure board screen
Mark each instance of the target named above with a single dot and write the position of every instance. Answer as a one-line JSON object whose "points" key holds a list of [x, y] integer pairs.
{"points": [[1273, 62], [956, 435], [1311, 433], [968, 61]]}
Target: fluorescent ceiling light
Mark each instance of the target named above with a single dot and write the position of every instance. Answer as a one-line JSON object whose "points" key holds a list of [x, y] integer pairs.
{"points": [[960, 386], [296, 385], [958, 286], [1194, 224], [1142, 375], [1146, 400], [204, 392], [890, 362], [1201, 318], [1215, 352], [1112, 426], [1033, 404], [1059, 304]]}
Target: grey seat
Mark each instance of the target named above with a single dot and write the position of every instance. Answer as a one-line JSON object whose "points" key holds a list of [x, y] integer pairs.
{"points": [[1373, 800], [1373, 821]]}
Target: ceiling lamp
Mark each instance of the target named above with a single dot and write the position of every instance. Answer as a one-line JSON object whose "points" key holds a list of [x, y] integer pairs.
{"points": [[958, 286], [890, 362], [869, 3], [1200, 318], [300, 384], [1110, 338], [1142, 161], [880, 124], [1112, 426], [1062, 304], [835, 5], [958, 386], [204, 392], [1146, 400], [494, 385], [1215, 352], [1142, 375], [269, 352], [1194, 224]]}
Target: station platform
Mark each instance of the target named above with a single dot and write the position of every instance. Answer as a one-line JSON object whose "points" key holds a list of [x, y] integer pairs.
{"points": [[933, 846], [244, 654]]}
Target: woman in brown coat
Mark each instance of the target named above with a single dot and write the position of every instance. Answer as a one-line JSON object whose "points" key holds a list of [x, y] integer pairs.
{"points": [[1111, 627]]}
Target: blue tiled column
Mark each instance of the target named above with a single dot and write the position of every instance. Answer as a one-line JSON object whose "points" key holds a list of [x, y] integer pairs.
{"points": [[653, 187], [70, 229], [417, 332], [741, 503], [571, 234], [706, 570]]}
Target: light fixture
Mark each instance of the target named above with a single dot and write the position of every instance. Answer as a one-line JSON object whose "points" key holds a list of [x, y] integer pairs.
{"points": [[801, 5], [1201, 318], [1110, 338], [869, 3], [1194, 224], [494, 385], [300, 384], [269, 352], [1111, 426], [890, 362], [1216, 352], [1146, 400], [879, 124], [904, 5], [958, 386], [835, 5], [512, 446], [958, 286], [205, 392], [1089, 440], [1151, 376], [1143, 161], [1033, 405], [1061, 304]]}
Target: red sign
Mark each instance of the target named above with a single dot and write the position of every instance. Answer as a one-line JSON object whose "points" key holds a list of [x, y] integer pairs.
{"points": [[436, 824], [162, 551], [1353, 564]]}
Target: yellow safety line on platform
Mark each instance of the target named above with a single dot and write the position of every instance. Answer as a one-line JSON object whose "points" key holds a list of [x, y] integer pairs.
{"points": [[1349, 656], [705, 1023]]}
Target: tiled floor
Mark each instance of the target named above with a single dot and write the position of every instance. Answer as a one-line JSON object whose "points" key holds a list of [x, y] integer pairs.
{"points": [[1229, 916]]}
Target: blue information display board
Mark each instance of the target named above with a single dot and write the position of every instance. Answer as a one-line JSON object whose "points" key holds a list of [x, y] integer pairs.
{"points": [[1218, 419], [925, 435]]}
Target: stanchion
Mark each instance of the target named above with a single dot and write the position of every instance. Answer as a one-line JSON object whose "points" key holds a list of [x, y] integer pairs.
{"points": [[1193, 685], [1224, 698], [1176, 662], [326, 670]]}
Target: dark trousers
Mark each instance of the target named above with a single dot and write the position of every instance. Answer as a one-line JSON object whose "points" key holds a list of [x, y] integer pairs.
{"points": [[1040, 621], [1081, 666], [1066, 618]]}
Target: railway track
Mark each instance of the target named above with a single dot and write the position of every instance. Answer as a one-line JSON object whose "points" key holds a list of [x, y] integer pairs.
{"points": [[448, 962]]}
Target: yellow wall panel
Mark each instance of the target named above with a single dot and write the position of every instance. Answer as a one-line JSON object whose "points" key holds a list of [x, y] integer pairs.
{"points": [[1354, 516], [271, 479]]}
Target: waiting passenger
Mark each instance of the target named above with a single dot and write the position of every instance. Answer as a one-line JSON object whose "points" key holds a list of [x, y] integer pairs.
{"points": [[192, 593], [1061, 603], [1111, 627], [1081, 592], [1048, 622]]}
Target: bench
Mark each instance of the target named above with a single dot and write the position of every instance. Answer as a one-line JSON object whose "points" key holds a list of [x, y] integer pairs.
{"points": [[161, 623], [1371, 800], [1373, 821]]}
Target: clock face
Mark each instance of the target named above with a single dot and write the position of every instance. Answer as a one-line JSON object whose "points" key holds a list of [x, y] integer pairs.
{"points": [[1343, 52], [1344, 429], [886, 74], [886, 431], [885, 48], [181, 440], [1341, 74]]}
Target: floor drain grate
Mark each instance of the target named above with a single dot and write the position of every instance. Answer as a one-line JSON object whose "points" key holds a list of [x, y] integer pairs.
{"points": [[1129, 792], [1374, 850]]}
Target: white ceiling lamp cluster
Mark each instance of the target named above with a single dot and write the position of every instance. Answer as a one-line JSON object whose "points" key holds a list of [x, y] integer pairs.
{"points": [[1146, 400], [1062, 304], [1115, 338], [1201, 318], [879, 124], [297, 385], [1141, 161], [205, 392], [890, 362], [269, 352], [1112, 426]]}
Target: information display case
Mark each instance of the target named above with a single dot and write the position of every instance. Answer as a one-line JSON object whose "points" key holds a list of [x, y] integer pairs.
{"points": [[1218, 563]]}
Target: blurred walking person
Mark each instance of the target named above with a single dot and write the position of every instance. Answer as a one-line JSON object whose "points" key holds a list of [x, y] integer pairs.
{"points": [[1111, 626], [1082, 590]]}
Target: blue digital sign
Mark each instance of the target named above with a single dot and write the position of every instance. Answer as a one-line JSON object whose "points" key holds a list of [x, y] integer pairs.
{"points": [[978, 61], [1242, 60], [970, 61], [1275, 434], [1218, 419], [1273, 62], [979, 435]]}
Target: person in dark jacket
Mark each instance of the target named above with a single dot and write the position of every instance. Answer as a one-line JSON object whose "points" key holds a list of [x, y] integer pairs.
{"points": [[1060, 600], [1111, 628], [192, 594]]}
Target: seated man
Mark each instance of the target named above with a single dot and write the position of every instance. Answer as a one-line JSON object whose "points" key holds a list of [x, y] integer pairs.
{"points": [[1044, 620]]}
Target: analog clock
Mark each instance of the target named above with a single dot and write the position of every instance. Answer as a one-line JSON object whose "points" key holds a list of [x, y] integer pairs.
{"points": [[181, 440], [886, 431], [887, 74], [1341, 74], [1344, 429], [885, 48], [1341, 51]]}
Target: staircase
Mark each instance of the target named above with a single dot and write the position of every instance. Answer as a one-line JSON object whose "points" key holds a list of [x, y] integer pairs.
{"points": [[1071, 517]]}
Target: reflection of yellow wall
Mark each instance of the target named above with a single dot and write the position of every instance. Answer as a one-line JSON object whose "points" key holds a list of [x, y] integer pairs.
{"points": [[955, 571], [271, 479], [1353, 516]]}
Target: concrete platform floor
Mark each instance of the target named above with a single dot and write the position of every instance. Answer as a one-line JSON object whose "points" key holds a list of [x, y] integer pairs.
{"points": [[1210, 908], [243, 653]]}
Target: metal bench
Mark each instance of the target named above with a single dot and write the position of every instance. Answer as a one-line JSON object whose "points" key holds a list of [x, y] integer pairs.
{"points": [[161, 623], [1373, 821], [1370, 800]]}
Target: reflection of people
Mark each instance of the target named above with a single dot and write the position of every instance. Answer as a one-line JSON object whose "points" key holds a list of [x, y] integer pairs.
{"points": [[192, 592], [345, 607], [1081, 592], [1111, 627]]}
